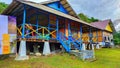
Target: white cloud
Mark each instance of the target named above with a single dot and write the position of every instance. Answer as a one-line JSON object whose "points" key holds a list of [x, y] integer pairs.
{"points": [[117, 27], [101, 9]]}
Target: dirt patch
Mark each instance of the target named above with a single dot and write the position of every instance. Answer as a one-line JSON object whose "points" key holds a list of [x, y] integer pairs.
{"points": [[39, 65]]}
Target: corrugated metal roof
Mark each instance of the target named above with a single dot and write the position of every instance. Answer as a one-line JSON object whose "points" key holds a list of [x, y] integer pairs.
{"points": [[16, 3], [45, 8], [101, 24], [50, 1]]}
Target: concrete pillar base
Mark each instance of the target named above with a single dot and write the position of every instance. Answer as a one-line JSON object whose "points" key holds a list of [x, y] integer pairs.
{"points": [[22, 51], [83, 47], [46, 49], [97, 46], [92, 46], [22, 58]]}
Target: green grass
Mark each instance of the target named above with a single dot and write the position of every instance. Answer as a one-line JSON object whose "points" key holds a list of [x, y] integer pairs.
{"points": [[106, 58]]}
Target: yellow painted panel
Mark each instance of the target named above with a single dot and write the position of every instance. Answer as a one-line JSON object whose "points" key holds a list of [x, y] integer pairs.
{"points": [[108, 28], [94, 39], [78, 34], [85, 35], [94, 34], [6, 37], [5, 43]]}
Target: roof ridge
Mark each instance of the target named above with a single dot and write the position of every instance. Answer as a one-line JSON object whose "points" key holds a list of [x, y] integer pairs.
{"points": [[49, 1]]}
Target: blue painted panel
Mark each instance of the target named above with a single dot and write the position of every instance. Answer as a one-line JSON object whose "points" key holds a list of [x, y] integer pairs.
{"points": [[58, 6], [3, 25], [0, 47]]}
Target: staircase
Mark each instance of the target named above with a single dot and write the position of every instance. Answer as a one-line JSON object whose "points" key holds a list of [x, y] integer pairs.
{"points": [[76, 43], [64, 41]]}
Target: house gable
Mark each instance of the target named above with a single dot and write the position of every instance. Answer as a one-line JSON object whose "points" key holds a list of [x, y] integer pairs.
{"points": [[109, 28], [57, 6], [60, 5]]}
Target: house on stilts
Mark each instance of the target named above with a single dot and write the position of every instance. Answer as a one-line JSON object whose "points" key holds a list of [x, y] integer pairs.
{"points": [[48, 27]]}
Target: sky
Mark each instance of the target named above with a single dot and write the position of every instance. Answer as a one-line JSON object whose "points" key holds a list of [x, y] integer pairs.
{"points": [[100, 9]]}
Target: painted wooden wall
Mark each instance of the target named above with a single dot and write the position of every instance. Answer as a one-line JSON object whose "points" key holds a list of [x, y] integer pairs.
{"points": [[85, 37]]}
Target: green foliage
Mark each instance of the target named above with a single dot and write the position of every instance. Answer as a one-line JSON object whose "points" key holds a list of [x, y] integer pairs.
{"points": [[3, 6], [117, 38], [87, 19]]}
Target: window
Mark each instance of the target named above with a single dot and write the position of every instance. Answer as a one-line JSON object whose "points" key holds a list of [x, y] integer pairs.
{"points": [[104, 38], [108, 39]]}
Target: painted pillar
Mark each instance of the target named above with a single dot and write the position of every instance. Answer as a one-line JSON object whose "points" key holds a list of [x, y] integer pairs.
{"points": [[97, 36], [92, 46], [57, 27], [37, 21], [90, 37], [97, 45], [69, 30], [103, 40], [69, 34], [24, 21], [81, 42], [46, 49], [66, 28], [22, 51], [48, 22]]}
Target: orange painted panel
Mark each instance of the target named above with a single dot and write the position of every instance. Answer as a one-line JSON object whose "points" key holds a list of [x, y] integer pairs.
{"points": [[54, 35], [66, 27], [99, 33], [6, 49], [66, 31], [62, 30], [100, 39], [53, 17]]}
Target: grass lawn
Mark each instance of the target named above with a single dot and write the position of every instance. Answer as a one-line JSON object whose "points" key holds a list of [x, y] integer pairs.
{"points": [[106, 58]]}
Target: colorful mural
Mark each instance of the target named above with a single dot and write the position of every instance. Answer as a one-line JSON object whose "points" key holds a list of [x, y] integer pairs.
{"points": [[7, 34]]}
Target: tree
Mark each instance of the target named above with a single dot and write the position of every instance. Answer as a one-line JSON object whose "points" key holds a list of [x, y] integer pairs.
{"points": [[117, 38], [3, 6], [87, 19]]}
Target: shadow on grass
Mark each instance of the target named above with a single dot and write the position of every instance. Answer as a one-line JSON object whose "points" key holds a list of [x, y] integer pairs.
{"points": [[3, 57]]}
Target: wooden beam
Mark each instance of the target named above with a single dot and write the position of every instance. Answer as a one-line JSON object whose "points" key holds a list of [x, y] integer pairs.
{"points": [[13, 7]]}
